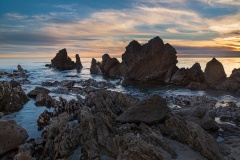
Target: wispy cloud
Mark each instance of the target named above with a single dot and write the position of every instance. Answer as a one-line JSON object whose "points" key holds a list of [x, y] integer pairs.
{"points": [[69, 7], [110, 30], [16, 16], [221, 3]]}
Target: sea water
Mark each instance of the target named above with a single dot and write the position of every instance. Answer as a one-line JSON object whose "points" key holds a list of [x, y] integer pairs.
{"points": [[38, 73]]}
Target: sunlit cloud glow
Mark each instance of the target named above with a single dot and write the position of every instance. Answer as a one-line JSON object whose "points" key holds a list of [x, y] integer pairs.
{"points": [[91, 31]]}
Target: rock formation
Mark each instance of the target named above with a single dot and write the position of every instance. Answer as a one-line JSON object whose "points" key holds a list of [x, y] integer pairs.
{"points": [[194, 136], [214, 72], [231, 83], [108, 63], [78, 62], [95, 67], [62, 62], [110, 103], [150, 111], [11, 135], [11, 98], [38, 90], [186, 76], [151, 61]]}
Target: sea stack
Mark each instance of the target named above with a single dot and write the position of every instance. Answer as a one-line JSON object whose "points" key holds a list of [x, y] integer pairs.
{"points": [[95, 67], [214, 72], [153, 61], [62, 62]]}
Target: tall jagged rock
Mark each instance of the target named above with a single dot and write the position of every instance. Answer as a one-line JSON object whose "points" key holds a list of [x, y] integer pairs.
{"points": [[95, 67], [150, 61], [153, 61], [78, 62], [214, 72], [108, 63], [62, 62]]}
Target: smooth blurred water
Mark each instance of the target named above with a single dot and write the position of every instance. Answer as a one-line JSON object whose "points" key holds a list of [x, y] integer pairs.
{"points": [[38, 73]]}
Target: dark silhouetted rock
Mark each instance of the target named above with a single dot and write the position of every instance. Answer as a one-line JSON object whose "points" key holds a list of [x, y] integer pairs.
{"points": [[48, 84], [22, 71], [11, 135], [214, 72], [151, 110], [62, 62], [78, 62], [186, 76], [108, 63], [95, 67], [170, 73], [231, 83], [151, 61], [11, 98], [117, 71], [196, 86], [37, 90], [1, 115]]}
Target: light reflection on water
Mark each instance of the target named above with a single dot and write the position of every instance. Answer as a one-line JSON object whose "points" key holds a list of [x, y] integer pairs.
{"points": [[38, 73]]}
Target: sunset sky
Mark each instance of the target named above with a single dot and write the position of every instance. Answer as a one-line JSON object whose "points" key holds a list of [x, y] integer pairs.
{"points": [[30, 28]]}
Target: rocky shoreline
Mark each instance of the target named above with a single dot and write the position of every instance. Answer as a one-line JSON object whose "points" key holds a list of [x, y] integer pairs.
{"points": [[106, 124]]}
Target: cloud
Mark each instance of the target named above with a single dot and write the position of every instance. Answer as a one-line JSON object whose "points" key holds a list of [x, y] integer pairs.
{"points": [[110, 30], [69, 7], [221, 3], [225, 24], [16, 16]]}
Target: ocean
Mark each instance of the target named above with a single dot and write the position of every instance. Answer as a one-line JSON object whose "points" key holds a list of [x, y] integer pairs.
{"points": [[38, 73]]}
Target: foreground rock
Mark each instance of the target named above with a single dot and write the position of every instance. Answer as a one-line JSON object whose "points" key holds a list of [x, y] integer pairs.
{"points": [[62, 62], [194, 136], [150, 111], [11, 135], [11, 99], [61, 137], [103, 136], [38, 90], [110, 103], [214, 72]]}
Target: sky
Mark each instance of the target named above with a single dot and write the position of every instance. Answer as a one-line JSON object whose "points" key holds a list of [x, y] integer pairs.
{"points": [[90, 28]]}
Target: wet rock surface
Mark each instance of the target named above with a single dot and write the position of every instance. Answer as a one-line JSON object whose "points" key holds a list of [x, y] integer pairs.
{"points": [[11, 135], [150, 111], [11, 98], [38, 90], [194, 136], [94, 125]]}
